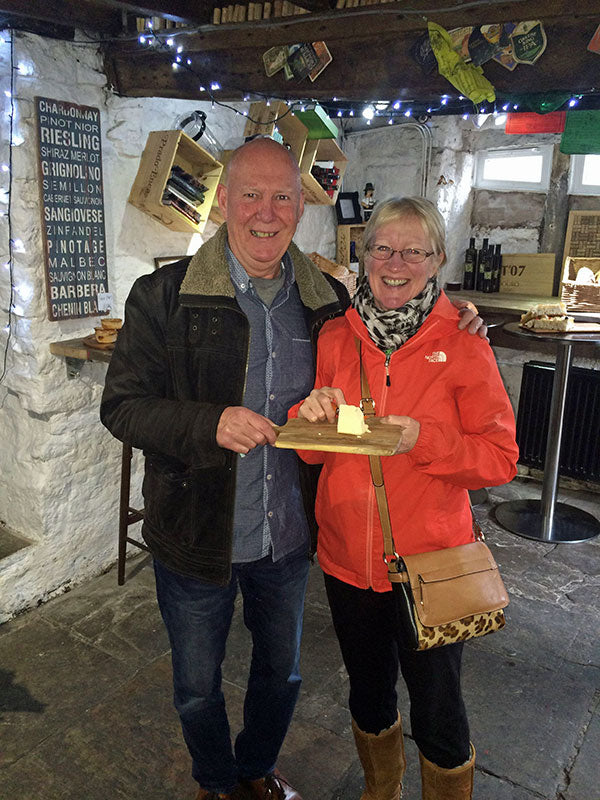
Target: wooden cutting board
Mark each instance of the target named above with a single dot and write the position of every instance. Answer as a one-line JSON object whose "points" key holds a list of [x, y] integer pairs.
{"points": [[300, 434]]}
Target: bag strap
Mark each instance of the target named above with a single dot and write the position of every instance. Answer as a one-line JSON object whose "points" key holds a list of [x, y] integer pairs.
{"points": [[390, 557]]}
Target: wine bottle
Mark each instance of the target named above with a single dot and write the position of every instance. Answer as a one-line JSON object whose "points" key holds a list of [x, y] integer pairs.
{"points": [[469, 270], [488, 270], [354, 264], [497, 268], [479, 265]]}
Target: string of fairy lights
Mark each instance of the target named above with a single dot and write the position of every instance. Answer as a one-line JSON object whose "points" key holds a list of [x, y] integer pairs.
{"points": [[5, 200], [392, 111], [20, 292]]}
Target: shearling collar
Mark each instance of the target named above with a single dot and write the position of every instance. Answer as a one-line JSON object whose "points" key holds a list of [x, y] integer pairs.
{"points": [[208, 275]]}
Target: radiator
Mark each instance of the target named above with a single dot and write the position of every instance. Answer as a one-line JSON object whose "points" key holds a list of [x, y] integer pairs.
{"points": [[580, 447]]}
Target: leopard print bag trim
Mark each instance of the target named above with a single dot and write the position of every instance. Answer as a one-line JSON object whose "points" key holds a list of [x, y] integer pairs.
{"points": [[447, 596]]}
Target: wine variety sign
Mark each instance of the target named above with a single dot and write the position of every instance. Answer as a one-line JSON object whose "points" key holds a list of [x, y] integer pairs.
{"points": [[72, 200]]}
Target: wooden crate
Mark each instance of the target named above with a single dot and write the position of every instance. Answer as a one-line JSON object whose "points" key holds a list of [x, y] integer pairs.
{"points": [[216, 215], [261, 122], [321, 150], [580, 296], [582, 239], [527, 273], [345, 235], [163, 150]]}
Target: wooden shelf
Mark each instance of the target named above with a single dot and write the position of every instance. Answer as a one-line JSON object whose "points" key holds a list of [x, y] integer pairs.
{"points": [[502, 302], [76, 353], [345, 235], [265, 120], [326, 150], [163, 150]]}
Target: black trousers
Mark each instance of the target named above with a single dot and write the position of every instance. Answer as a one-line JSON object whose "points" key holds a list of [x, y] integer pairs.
{"points": [[372, 652]]}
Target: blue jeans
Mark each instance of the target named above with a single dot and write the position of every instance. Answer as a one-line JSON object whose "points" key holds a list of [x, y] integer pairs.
{"points": [[198, 617]]}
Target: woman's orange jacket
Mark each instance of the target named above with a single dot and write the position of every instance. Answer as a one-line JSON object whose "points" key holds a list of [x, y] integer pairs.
{"points": [[448, 381]]}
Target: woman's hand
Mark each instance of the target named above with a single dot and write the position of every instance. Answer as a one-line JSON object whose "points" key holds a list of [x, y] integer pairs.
{"points": [[410, 434], [321, 404], [469, 318]]}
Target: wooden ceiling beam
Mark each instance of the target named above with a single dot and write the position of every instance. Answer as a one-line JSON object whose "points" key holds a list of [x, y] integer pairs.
{"points": [[365, 22], [389, 72], [72, 13], [195, 11]]}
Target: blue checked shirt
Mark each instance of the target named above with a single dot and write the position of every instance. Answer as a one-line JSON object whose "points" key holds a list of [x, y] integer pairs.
{"points": [[269, 515]]}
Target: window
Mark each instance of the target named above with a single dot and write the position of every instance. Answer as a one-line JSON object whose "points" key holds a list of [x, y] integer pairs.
{"points": [[584, 176], [524, 169]]}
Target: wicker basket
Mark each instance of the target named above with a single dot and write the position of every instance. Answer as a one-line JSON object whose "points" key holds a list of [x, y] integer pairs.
{"points": [[338, 271], [580, 296]]}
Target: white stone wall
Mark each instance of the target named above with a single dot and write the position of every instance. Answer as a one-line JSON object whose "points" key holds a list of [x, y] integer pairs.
{"points": [[394, 158], [60, 468]]}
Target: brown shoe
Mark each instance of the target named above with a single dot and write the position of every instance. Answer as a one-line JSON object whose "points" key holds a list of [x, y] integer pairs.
{"points": [[273, 787], [206, 794]]}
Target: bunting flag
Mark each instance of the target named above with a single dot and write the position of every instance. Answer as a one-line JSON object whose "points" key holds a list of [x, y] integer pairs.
{"points": [[527, 122], [581, 133]]}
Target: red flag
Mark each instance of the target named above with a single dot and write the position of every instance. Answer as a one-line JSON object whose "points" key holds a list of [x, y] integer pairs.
{"points": [[527, 122]]}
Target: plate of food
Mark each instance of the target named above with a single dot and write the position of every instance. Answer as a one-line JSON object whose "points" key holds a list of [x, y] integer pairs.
{"points": [[553, 318], [105, 335]]}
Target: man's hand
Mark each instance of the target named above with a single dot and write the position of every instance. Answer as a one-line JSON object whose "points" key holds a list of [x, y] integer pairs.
{"points": [[241, 429], [410, 433], [469, 319], [321, 404]]}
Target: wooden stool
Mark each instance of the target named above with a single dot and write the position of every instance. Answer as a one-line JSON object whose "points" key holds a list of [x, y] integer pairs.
{"points": [[127, 515]]}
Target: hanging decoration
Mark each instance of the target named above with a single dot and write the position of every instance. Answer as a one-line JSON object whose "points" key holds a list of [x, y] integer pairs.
{"points": [[528, 122], [528, 41], [581, 133], [594, 43], [467, 78], [393, 110]]}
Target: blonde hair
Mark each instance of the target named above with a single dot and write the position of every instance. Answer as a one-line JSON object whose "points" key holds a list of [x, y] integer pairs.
{"points": [[401, 208]]}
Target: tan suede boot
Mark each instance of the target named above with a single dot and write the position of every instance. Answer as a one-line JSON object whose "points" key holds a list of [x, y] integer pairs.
{"points": [[447, 784], [383, 761]]}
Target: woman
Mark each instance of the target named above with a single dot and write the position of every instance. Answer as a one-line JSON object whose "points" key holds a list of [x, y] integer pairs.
{"points": [[445, 393]]}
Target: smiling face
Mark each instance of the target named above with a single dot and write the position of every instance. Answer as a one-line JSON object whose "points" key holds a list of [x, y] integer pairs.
{"points": [[394, 282], [262, 203]]}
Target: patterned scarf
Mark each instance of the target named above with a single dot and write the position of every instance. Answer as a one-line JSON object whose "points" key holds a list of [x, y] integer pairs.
{"points": [[390, 329]]}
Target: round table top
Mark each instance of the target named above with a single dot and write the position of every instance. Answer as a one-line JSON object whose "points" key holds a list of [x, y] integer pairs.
{"points": [[571, 337]]}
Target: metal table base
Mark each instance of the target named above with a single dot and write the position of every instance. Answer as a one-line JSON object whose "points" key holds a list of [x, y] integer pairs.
{"points": [[546, 520], [525, 518]]}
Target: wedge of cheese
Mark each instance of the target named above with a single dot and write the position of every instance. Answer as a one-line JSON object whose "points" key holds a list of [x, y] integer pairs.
{"points": [[351, 420]]}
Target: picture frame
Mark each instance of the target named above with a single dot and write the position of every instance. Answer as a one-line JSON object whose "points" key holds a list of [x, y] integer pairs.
{"points": [[161, 261], [347, 208]]}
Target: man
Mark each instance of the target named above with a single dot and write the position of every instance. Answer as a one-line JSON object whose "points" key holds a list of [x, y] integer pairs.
{"points": [[214, 350]]}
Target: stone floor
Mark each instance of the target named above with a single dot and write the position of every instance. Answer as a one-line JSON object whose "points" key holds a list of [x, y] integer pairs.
{"points": [[85, 693]]}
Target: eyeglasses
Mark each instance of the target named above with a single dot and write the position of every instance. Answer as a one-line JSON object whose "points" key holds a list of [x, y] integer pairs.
{"points": [[412, 255]]}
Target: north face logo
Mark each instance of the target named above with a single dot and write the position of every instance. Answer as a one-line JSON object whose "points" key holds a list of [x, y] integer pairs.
{"points": [[437, 355]]}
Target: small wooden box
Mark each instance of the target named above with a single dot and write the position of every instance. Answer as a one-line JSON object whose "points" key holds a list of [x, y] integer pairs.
{"points": [[321, 150], [527, 273], [262, 122], [580, 296], [345, 235], [163, 150]]}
